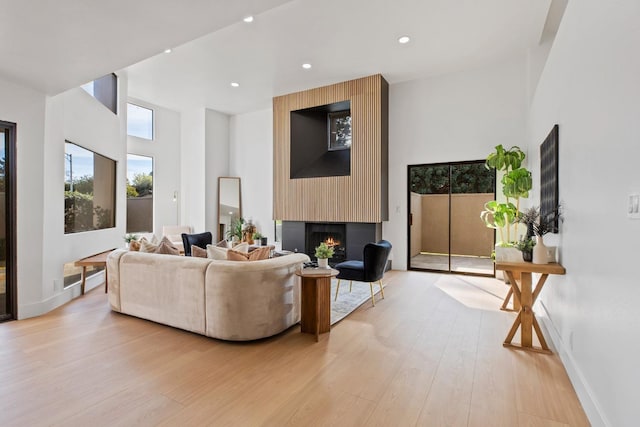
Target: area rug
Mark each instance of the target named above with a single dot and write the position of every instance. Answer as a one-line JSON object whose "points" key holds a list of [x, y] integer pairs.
{"points": [[347, 301]]}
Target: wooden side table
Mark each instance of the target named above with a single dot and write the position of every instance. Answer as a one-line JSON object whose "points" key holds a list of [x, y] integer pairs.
{"points": [[98, 260], [526, 297], [316, 300]]}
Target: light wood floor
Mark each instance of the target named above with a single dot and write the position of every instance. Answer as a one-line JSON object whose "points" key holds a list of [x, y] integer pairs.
{"points": [[430, 354]]}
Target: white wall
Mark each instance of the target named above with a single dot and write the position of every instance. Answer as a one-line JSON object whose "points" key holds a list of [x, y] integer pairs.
{"points": [[165, 150], [591, 88], [192, 168], [251, 158], [26, 108], [217, 158], [453, 117], [79, 118]]}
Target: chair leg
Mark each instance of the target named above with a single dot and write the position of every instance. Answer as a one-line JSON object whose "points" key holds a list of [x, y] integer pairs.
{"points": [[350, 285], [337, 289], [373, 299], [381, 289]]}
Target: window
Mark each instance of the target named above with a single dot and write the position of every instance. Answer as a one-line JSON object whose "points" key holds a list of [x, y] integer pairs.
{"points": [[89, 190], [139, 121], [139, 194], [105, 90]]}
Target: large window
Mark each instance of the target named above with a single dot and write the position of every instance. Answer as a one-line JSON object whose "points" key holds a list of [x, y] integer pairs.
{"points": [[89, 190], [139, 121], [105, 90], [139, 194]]}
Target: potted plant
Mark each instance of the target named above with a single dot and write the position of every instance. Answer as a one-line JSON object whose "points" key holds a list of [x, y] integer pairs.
{"points": [[538, 225], [235, 232], [323, 253], [128, 238], [257, 238], [516, 184], [526, 247]]}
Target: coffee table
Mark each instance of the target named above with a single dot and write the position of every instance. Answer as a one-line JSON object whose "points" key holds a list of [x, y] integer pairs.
{"points": [[316, 300]]}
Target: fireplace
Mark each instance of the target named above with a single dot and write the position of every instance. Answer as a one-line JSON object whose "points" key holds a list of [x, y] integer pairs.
{"points": [[348, 238], [333, 234]]}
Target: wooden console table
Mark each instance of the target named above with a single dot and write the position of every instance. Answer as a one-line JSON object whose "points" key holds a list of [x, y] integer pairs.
{"points": [[316, 300], [98, 260], [526, 297]]}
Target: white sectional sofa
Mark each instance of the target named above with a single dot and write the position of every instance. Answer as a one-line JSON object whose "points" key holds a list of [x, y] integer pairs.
{"points": [[229, 300]]}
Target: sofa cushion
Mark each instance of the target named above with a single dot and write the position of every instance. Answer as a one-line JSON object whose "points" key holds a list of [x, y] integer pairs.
{"points": [[147, 246], [223, 243], [198, 252], [199, 239], [263, 252], [167, 248], [215, 252], [233, 255]]}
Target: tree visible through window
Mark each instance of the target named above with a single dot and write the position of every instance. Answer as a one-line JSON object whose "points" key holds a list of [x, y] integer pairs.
{"points": [[139, 194]]}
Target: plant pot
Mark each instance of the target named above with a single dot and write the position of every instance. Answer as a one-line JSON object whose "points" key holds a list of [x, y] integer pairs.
{"points": [[323, 263], [527, 256], [540, 252]]}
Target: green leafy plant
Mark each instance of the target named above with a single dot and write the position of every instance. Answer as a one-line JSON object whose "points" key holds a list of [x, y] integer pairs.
{"points": [[257, 235], [130, 237], [525, 245], [324, 251], [236, 229], [516, 184], [540, 225]]}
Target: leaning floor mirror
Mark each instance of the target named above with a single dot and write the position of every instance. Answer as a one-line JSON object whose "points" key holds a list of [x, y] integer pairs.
{"points": [[229, 205]]}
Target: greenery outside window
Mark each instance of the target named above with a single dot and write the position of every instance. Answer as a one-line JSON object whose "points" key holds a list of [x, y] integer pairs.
{"points": [[139, 194]]}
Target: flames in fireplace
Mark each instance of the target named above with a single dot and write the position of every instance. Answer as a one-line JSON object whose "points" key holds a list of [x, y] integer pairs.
{"points": [[330, 241]]}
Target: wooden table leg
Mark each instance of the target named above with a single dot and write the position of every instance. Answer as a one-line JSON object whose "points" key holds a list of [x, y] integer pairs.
{"points": [[526, 319], [84, 279]]}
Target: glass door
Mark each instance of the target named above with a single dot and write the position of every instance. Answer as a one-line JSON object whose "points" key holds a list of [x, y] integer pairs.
{"points": [[7, 227], [445, 230]]}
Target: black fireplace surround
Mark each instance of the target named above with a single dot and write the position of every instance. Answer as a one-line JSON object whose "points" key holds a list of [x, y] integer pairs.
{"points": [[348, 239]]}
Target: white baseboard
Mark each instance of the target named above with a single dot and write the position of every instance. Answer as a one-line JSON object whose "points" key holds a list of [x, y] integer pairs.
{"points": [[67, 294], [586, 396]]}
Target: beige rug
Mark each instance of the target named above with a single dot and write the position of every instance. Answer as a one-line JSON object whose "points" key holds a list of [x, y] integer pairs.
{"points": [[349, 302]]}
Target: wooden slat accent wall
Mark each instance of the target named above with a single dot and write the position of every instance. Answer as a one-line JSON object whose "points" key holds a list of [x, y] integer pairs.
{"points": [[360, 197]]}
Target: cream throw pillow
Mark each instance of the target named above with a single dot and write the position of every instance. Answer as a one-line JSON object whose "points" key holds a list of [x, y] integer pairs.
{"points": [[215, 252], [147, 246]]}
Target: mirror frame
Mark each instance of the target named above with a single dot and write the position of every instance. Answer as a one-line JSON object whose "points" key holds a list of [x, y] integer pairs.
{"points": [[219, 232]]}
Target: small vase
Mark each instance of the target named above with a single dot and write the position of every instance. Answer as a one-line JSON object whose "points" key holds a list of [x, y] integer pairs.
{"points": [[540, 252], [323, 263], [527, 255]]}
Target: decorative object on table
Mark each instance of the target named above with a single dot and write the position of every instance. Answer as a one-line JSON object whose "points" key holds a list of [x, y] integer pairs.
{"points": [[371, 269], [128, 238], [545, 224], [516, 184], [263, 241], [526, 246], [323, 253], [257, 238], [248, 231]]}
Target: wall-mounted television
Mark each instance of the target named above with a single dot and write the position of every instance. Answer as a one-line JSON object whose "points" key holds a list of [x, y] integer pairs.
{"points": [[89, 190]]}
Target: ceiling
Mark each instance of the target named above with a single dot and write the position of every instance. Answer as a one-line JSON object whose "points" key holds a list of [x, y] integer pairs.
{"points": [[69, 42]]}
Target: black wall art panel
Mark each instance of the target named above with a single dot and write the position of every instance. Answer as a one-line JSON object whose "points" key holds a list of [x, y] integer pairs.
{"points": [[549, 175]]}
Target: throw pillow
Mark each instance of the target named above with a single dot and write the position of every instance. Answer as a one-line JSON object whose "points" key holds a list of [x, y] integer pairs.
{"points": [[223, 244], [241, 247], [134, 245], [147, 246], [233, 255], [167, 248], [262, 252], [198, 252], [215, 252]]}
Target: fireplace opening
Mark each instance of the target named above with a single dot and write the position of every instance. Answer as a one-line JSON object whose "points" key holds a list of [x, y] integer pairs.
{"points": [[332, 234]]}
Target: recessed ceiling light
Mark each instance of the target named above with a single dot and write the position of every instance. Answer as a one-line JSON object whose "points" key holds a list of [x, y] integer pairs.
{"points": [[234, 84], [404, 40], [167, 51], [306, 66], [248, 19]]}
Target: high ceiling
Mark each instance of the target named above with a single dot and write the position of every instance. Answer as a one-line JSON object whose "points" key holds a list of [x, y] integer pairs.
{"points": [[53, 46]]}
